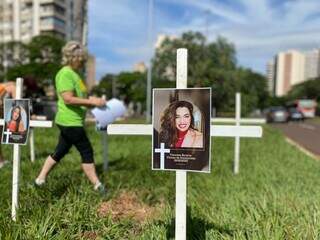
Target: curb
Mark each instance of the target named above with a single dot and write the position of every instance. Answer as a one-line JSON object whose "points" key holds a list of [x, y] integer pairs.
{"points": [[303, 149]]}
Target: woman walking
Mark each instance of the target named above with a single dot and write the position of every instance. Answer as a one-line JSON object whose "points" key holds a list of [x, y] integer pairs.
{"points": [[72, 104]]}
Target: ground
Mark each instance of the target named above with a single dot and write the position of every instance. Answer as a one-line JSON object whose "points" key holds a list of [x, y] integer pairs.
{"points": [[276, 195]]}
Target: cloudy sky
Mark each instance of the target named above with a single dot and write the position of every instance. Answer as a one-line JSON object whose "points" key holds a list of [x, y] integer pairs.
{"points": [[118, 30]]}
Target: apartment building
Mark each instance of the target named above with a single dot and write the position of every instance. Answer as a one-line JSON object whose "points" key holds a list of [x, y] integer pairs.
{"points": [[20, 20], [140, 67], [271, 75], [290, 68], [312, 64]]}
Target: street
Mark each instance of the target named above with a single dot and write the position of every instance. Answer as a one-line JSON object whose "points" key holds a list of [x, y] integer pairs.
{"points": [[306, 134]]}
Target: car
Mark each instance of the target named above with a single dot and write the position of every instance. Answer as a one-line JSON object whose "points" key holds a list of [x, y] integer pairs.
{"points": [[277, 114], [295, 114]]}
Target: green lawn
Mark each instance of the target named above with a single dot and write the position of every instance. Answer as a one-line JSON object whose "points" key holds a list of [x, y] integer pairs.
{"points": [[315, 120], [275, 196]]}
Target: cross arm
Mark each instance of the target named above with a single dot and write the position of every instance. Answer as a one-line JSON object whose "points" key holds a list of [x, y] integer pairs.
{"points": [[216, 131], [35, 123]]}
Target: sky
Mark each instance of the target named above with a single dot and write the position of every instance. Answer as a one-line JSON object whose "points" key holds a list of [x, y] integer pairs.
{"points": [[118, 30]]}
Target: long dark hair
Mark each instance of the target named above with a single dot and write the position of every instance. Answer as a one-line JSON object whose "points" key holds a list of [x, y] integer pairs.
{"points": [[168, 132], [19, 118]]}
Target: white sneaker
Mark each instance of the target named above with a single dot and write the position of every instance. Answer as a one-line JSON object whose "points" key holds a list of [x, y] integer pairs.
{"points": [[39, 182]]}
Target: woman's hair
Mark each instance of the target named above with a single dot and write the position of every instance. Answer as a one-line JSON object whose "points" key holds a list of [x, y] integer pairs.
{"points": [[19, 118], [168, 130], [73, 51]]}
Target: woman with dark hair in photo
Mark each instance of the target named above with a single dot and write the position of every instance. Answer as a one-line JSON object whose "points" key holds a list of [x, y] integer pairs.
{"points": [[177, 127], [15, 124]]}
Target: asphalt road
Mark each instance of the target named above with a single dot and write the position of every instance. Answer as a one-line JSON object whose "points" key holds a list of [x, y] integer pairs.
{"points": [[306, 134]]}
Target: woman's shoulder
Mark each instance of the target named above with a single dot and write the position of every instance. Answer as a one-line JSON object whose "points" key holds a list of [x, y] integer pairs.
{"points": [[65, 71], [196, 133]]}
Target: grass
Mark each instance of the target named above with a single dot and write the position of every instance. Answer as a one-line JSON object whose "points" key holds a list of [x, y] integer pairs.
{"points": [[275, 196], [315, 120]]}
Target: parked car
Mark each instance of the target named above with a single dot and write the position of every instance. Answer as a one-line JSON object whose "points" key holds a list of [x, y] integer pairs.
{"points": [[295, 114], [277, 114]]}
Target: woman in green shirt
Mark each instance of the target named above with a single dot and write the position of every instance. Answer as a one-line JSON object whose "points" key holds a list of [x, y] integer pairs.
{"points": [[72, 104]]}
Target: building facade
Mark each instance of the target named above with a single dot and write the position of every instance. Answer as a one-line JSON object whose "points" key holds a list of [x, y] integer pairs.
{"points": [[312, 64], [20, 20], [290, 68], [140, 67], [271, 75]]}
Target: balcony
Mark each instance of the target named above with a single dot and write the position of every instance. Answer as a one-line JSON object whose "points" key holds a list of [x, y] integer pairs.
{"points": [[51, 13], [57, 2]]}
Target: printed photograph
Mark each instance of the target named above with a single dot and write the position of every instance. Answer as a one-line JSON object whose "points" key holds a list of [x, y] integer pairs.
{"points": [[181, 129], [17, 115]]}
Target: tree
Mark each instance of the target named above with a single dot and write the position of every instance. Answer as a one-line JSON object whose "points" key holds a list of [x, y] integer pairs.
{"points": [[41, 61], [253, 87], [309, 89], [131, 86], [45, 49], [105, 86], [211, 65], [12, 54]]}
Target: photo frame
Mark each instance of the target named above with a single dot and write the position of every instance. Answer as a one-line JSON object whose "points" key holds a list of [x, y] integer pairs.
{"points": [[16, 121], [181, 129]]}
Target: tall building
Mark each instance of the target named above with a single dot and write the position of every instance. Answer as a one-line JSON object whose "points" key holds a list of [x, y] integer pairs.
{"points": [[312, 64], [140, 67], [271, 75], [91, 72], [290, 71], [23, 19]]}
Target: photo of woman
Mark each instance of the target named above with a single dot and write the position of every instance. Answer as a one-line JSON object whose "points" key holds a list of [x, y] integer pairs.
{"points": [[178, 128], [17, 116], [181, 129], [15, 125]]}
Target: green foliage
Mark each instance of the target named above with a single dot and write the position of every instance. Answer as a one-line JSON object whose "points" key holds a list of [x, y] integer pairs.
{"points": [[132, 86], [253, 87], [211, 65], [276, 195], [309, 89], [129, 86], [45, 49], [105, 86], [41, 59]]}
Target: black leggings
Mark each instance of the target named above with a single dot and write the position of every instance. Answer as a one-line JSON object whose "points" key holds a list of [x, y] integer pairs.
{"points": [[73, 136]]}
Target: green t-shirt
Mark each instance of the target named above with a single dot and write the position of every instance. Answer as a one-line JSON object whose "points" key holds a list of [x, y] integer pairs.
{"points": [[70, 115]]}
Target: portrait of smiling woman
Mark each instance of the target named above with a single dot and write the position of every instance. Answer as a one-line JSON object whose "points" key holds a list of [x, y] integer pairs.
{"points": [[16, 124], [178, 126]]}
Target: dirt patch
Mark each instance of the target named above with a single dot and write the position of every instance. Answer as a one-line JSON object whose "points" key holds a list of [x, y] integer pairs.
{"points": [[89, 235], [127, 205]]}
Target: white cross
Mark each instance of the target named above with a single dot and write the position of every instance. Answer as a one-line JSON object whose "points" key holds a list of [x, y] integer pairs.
{"points": [[7, 133], [16, 153], [181, 177], [162, 152]]}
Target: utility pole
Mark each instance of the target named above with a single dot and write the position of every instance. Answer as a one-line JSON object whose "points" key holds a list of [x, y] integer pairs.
{"points": [[149, 77], [207, 13]]}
